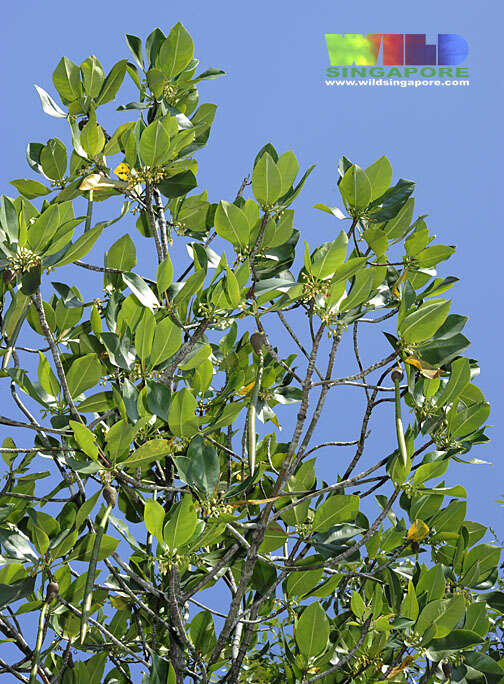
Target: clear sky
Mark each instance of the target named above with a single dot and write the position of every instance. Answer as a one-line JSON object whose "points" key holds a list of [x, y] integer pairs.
{"points": [[447, 139]]}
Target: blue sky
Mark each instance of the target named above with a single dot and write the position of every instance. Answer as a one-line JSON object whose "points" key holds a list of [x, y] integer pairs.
{"points": [[447, 139]]}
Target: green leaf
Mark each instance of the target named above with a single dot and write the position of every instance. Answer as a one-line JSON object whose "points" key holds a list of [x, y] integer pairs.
{"points": [[102, 401], [13, 591], [162, 671], [388, 205], [141, 290], [178, 185], [135, 45], [416, 241], [397, 470], [149, 452], [30, 188], [84, 548], [231, 224], [460, 376], [288, 167], [43, 228], [409, 605], [312, 630], [119, 349], [93, 76], [158, 399], [181, 523], [477, 618], [199, 467], [85, 509], [355, 188], [334, 211], [458, 640], [175, 52], [486, 555], [112, 83], [336, 509], [9, 219], [423, 323], [66, 79], [37, 533], [232, 288], [266, 181], [167, 340], [153, 43], [432, 583], [92, 139], [164, 275], [85, 439], [47, 379], [431, 256], [348, 269], [154, 144], [154, 515], [442, 614], [190, 287], [481, 662], [144, 335], [61, 237], [202, 632], [380, 176], [274, 538], [399, 225], [181, 418], [329, 256], [84, 373], [121, 255], [428, 471], [280, 232], [360, 291], [81, 247], [357, 604], [301, 583], [464, 422], [49, 105], [53, 159]]}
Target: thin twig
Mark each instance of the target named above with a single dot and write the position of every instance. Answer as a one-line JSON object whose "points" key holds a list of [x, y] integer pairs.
{"points": [[106, 269], [104, 631], [341, 663], [37, 302]]}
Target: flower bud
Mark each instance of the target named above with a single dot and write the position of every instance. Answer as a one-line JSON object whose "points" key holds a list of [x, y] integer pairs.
{"points": [[257, 340], [110, 495], [397, 375], [51, 591]]}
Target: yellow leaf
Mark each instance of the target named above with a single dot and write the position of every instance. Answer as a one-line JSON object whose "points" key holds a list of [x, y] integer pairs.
{"points": [[425, 368], [96, 181], [123, 171], [119, 602], [246, 389], [418, 531], [399, 668], [399, 281]]}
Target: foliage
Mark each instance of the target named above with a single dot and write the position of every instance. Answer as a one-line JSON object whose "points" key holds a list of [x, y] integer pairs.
{"points": [[151, 396]]}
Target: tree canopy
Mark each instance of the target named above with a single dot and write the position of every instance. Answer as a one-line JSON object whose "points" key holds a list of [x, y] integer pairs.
{"points": [[146, 466]]}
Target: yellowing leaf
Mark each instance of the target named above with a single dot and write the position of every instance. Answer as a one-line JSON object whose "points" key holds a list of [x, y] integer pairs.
{"points": [[119, 602], [122, 171], [418, 531], [246, 389], [96, 181], [399, 668], [399, 281], [425, 368]]}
